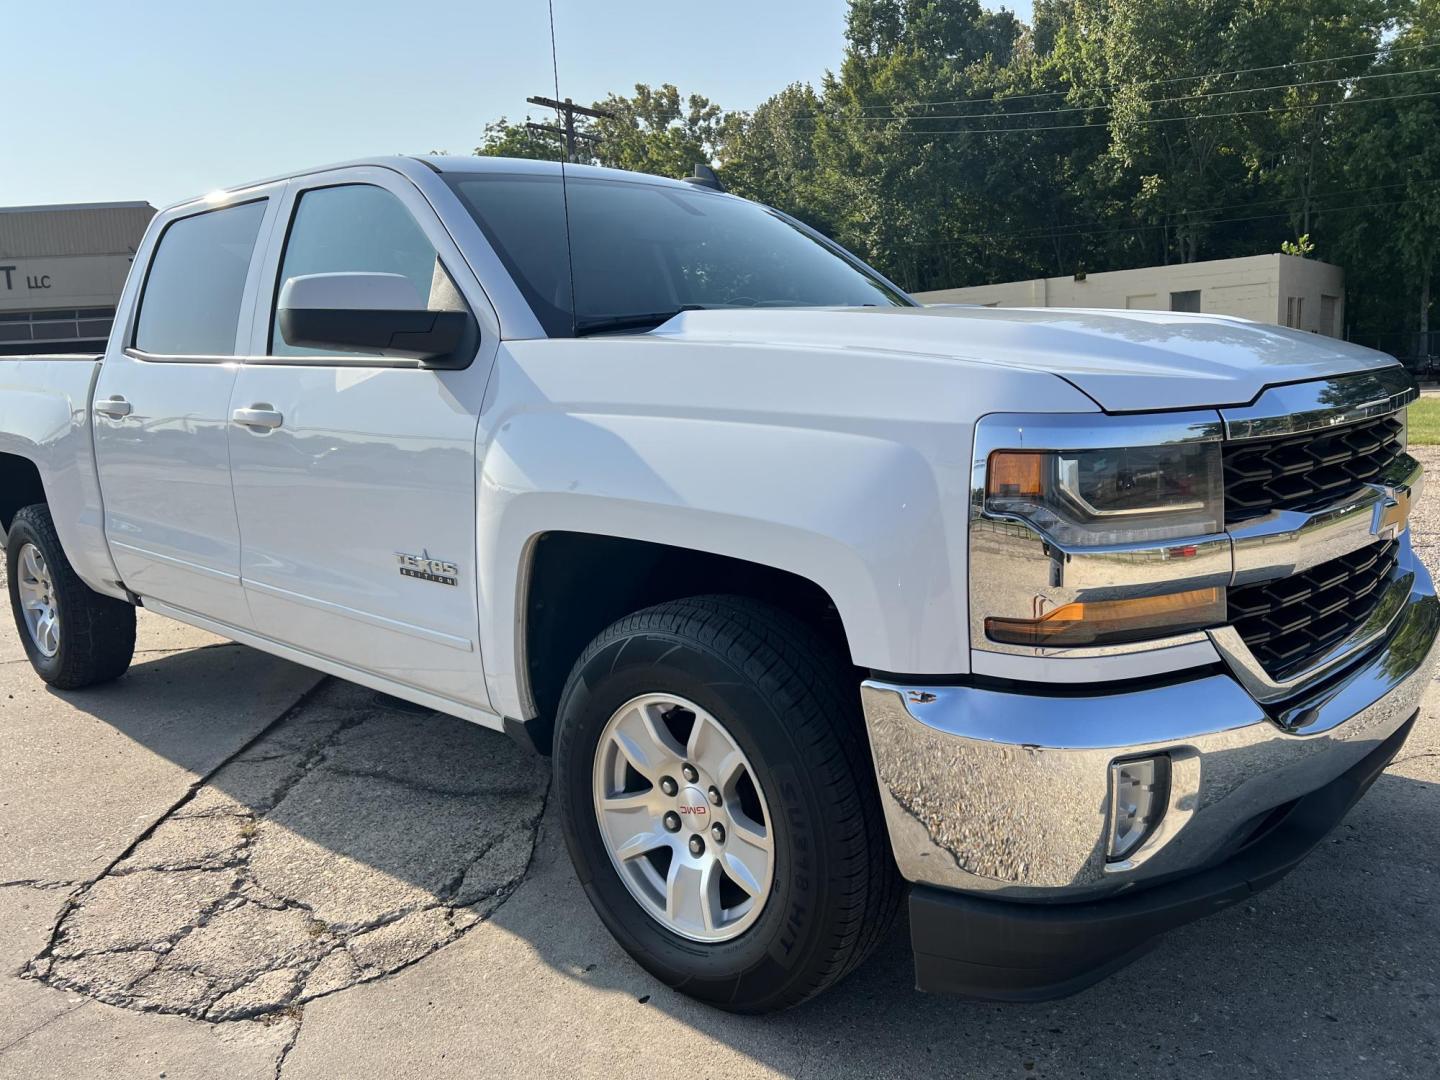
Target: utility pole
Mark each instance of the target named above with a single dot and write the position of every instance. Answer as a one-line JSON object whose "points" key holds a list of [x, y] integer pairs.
{"points": [[569, 110]]}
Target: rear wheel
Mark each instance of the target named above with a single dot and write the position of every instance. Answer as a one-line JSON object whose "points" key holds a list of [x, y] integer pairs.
{"points": [[73, 636], [719, 804]]}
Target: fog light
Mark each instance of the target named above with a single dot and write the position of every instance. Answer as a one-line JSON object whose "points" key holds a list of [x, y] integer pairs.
{"points": [[1139, 793]]}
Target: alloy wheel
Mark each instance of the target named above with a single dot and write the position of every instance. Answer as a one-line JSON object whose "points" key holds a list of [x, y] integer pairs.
{"points": [[37, 600], [683, 818]]}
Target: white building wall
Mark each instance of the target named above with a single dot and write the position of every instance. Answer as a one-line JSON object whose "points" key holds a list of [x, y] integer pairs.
{"points": [[1261, 287], [73, 281], [61, 272]]}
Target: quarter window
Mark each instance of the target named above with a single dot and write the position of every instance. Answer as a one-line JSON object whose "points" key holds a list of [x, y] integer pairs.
{"points": [[359, 228], [191, 303]]}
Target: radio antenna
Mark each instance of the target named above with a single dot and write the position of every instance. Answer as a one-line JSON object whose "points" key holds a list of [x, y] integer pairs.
{"points": [[564, 188]]}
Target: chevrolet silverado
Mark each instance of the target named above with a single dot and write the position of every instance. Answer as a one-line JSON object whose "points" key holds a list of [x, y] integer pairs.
{"points": [[1063, 627]]}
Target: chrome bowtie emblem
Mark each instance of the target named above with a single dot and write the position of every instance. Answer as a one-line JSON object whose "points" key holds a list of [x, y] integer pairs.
{"points": [[1392, 512], [425, 568]]}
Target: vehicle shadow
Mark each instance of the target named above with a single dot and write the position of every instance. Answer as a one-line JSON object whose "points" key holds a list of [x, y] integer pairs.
{"points": [[1331, 971]]}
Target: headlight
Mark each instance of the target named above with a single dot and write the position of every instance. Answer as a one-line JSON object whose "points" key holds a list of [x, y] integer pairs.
{"points": [[1099, 497], [1097, 545]]}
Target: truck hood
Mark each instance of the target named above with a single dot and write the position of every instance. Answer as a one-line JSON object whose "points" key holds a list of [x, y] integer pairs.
{"points": [[1126, 361]]}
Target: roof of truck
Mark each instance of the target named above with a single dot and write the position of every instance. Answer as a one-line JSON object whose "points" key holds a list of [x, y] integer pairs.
{"points": [[476, 164], [445, 163]]}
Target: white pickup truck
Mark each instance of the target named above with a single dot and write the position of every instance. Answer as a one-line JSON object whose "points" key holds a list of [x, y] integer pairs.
{"points": [[1076, 625]]}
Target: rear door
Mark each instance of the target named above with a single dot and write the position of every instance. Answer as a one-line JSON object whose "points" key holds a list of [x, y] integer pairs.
{"points": [[357, 500], [161, 410]]}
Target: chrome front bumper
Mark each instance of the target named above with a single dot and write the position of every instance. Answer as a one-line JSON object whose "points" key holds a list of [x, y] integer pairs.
{"points": [[1006, 793]]}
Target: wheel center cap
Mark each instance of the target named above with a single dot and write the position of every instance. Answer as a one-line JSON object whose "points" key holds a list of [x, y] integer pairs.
{"points": [[694, 809]]}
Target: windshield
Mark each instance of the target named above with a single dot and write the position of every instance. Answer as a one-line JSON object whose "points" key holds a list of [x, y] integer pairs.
{"points": [[642, 252]]}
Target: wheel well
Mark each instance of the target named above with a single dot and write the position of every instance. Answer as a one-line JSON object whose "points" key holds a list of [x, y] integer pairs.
{"points": [[580, 583], [20, 486]]}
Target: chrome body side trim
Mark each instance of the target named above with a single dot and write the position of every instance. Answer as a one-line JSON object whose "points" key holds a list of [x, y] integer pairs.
{"points": [[1090, 431], [1321, 403], [1288, 542], [1081, 666], [1008, 559], [424, 633], [183, 564], [1007, 793]]}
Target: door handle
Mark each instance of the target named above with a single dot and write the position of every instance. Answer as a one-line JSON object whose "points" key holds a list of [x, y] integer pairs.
{"points": [[260, 415], [114, 407]]}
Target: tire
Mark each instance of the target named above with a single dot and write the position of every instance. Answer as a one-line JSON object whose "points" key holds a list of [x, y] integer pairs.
{"points": [[788, 705], [95, 636]]}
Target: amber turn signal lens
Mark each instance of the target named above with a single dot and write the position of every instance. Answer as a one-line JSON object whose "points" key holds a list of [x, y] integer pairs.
{"points": [[1109, 622], [1015, 474]]}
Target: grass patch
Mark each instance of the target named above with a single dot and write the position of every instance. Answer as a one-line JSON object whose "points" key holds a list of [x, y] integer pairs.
{"points": [[1425, 422]]}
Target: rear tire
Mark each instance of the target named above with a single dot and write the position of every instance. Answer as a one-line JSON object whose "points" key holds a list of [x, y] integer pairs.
{"points": [[780, 701], [73, 636]]}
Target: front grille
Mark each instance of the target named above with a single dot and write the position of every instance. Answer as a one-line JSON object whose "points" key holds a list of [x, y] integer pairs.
{"points": [[1310, 471], [1288, 623]]}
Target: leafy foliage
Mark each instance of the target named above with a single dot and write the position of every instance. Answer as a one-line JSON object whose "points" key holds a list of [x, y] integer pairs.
{"points": [[955, 145]]}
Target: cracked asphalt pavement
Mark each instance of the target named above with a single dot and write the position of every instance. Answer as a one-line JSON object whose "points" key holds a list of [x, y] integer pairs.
{"points": [[227, 866], [287, 875]]}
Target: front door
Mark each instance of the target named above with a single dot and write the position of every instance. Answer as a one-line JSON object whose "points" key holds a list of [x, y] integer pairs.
{"points": [[356, 487], [161, 415]]}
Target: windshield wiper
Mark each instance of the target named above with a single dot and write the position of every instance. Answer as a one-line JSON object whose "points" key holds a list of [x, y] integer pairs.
{"points": [[603, 323]]}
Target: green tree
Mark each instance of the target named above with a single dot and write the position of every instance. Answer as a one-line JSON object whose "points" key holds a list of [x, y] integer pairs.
{"points": [[657, 131], [504, 139], [1291, 150], [769, 155], [1391, 141], [954, 145], [913, 188]]}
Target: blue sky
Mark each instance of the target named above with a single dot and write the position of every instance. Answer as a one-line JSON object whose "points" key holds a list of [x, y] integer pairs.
{"points": [[163, 100]]}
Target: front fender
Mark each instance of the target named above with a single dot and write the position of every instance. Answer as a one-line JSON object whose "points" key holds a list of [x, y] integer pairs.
{"points": [[861, 515]]}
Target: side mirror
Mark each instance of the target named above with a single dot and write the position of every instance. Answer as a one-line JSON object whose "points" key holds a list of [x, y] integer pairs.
{"points": [[370, 313]]}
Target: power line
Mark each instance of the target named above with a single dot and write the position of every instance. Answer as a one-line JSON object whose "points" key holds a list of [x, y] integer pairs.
{"points": [[967, 238], [569, 110], [1162, 82], [1076, 228], [1174, 119], [1148, 101]]}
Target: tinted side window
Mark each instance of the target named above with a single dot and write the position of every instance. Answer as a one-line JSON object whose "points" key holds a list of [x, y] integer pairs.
{"points": [[191, 303], [359, 228]]}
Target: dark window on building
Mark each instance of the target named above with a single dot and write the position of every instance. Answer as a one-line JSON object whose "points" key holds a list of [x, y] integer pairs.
{"points": [[1329, 309], [1189, 300], [191, 303], [89, 325]]}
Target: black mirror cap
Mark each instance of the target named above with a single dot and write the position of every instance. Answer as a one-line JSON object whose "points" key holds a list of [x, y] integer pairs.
{"points": [[435, 338]]}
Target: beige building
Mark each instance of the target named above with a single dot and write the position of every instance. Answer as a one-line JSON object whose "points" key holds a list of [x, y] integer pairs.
{"points": [[61, 272], [1279, 289]]}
